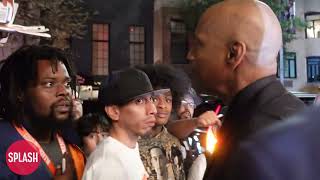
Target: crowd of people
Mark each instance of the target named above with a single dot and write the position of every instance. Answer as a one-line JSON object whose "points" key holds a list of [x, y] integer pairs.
{"points": [[146, 112]]}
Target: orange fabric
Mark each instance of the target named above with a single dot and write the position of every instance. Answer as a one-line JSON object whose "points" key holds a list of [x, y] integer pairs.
{"points": [[78, 159]]}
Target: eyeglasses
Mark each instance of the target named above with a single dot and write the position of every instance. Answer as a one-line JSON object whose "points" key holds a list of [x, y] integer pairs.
{"points": [[186, 103]]}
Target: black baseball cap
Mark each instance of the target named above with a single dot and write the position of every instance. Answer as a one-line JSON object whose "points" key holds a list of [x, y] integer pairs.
{"points": [[121, 87]]}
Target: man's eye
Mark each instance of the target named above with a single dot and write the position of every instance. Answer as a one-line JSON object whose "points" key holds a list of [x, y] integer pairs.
{"points": [[104, 135], [169, 100], [92, 135], [49, 84], [68, 84], [154, 99], [139, 101]]}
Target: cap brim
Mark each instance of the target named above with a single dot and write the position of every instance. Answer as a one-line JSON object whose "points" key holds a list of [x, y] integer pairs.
{"points": [[160, 91], [153, 93]]}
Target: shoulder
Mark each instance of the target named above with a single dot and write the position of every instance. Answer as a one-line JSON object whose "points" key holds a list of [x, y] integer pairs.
{"points": [[168, 137], [299, 126], [290, 144], [281, 105], [10, 134], [276, 96]]}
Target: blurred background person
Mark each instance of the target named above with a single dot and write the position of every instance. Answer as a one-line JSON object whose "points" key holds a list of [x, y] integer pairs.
{"points": [[92, 129], [188, 103]]}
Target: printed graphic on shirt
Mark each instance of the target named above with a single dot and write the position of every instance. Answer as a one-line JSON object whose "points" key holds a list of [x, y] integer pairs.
{"points": [[162, 157]]}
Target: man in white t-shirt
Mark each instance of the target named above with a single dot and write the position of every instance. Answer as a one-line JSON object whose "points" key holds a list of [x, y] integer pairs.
{"points": [[127, 102]]}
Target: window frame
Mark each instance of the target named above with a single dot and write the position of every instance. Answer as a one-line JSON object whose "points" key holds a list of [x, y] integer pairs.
{"points": [[312, 13], [287, 63], [137, 45], [310, 65], [178, 33], [96, 70]]}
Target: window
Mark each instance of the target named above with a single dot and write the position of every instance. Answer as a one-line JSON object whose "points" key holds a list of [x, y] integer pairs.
{"points": [[313, 68], [136, 43], [313, 23], [100, 49], [290, 67], [178, 42]]}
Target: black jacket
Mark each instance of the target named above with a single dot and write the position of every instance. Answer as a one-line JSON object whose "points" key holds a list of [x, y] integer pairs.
{"points": [[287, 150], [256, 107]]}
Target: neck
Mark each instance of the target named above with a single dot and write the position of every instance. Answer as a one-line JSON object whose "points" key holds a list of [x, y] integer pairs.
{"points": [[41, 134], [125, 137], [155, 131]]}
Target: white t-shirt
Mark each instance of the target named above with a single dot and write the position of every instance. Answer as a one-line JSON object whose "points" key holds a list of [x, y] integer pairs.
{"points": [[113, 160]]}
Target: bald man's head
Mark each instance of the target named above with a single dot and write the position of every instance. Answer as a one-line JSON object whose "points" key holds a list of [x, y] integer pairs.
{"points": [[248, 21], [236, 43]]}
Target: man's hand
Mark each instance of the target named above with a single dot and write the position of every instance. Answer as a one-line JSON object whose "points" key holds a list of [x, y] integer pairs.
{"points": [[77, 110], [69, 171], [206, 119]]}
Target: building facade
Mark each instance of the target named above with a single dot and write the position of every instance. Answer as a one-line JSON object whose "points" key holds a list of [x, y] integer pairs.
{"points": [[305, 50], [126, 33], [119, 36]]}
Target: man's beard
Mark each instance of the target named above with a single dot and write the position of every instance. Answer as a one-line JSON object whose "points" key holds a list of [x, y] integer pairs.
{"points": [[186, 115], [50, 121]]}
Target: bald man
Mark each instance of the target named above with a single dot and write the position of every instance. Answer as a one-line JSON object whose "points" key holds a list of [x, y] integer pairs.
{"points": [[235, 55]]}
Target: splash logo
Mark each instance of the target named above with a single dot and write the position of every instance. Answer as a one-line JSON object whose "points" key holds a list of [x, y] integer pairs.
{"points": [[22, 157]]}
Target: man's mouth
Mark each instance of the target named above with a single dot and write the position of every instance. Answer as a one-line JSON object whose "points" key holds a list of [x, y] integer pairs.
{"points": [[151, 122], [185, 115], [162, 115], [63, 106]]}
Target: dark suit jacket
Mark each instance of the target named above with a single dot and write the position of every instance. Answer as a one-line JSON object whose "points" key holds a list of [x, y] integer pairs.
{"points": [[288, 150], [256, 107]]}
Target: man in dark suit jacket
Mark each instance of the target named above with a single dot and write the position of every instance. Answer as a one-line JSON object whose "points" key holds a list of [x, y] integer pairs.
{"points": [[235, 54], [287, 150]]}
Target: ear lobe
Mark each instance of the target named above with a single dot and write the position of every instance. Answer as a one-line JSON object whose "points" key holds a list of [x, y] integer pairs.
{"points": [[236, 53], [113, 112]]}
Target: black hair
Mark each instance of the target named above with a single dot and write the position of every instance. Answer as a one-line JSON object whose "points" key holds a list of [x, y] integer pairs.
{"points": [[89, 122], [166, 76], [20, 70]]}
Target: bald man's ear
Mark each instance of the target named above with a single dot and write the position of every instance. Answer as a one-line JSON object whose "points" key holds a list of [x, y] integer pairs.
{"points": [[236, 53], [113, 112]]}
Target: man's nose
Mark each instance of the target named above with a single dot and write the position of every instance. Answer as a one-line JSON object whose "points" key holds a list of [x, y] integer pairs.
{"points": [[161, 103], [63, 90], [151, 108], [100, 138], [190, 55]]}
